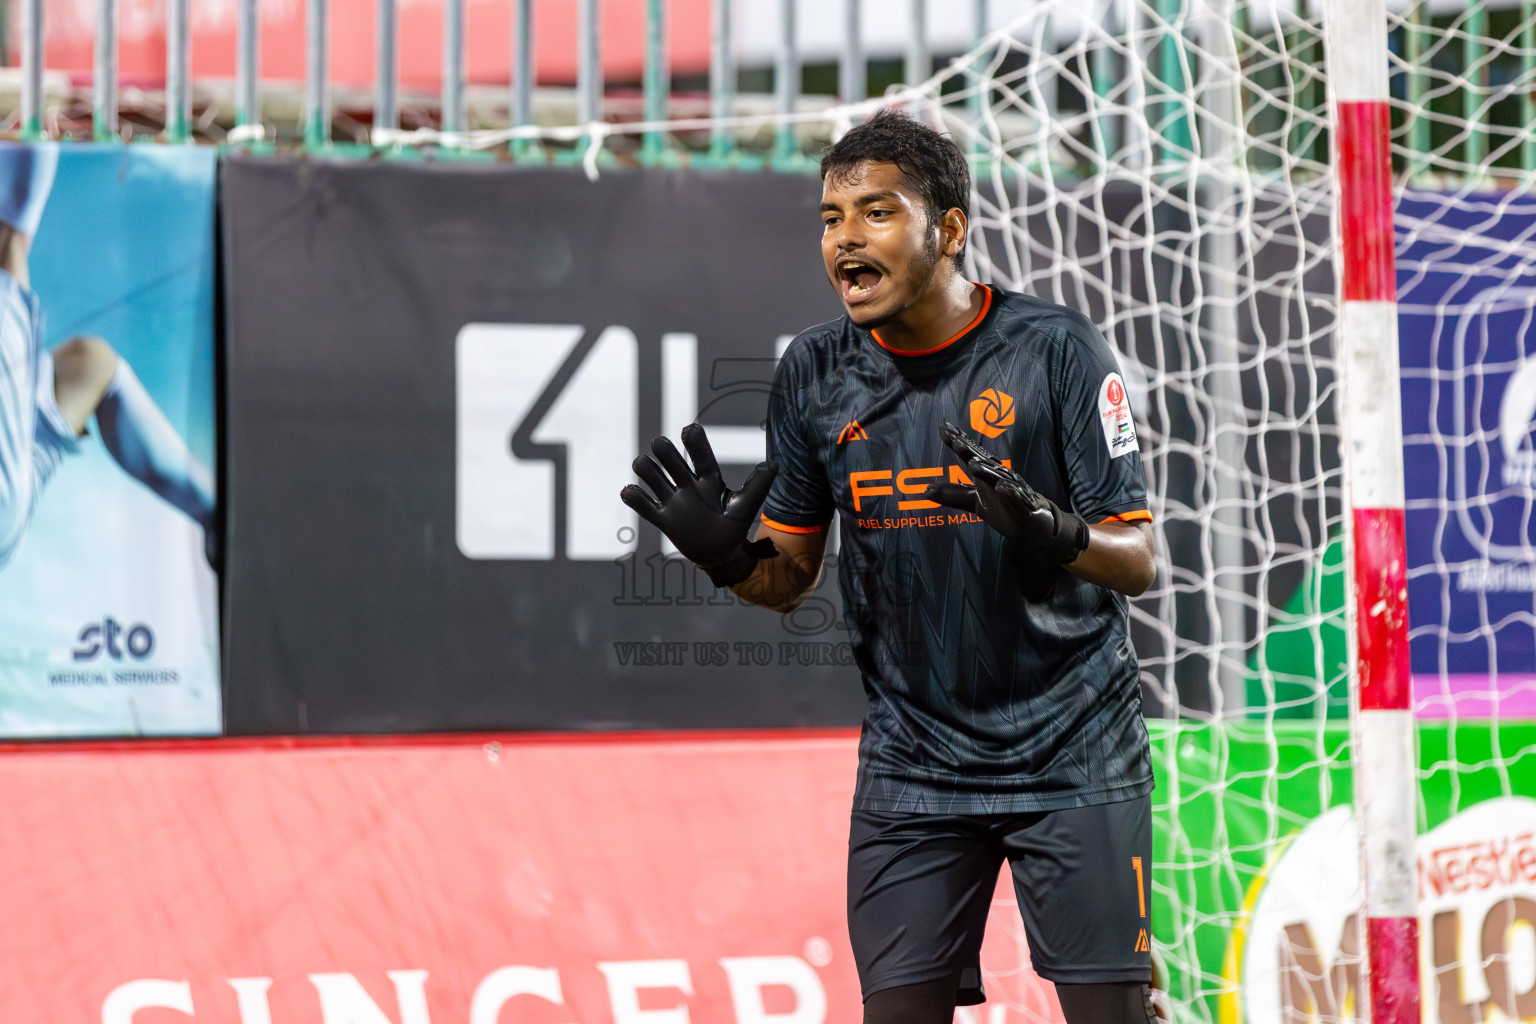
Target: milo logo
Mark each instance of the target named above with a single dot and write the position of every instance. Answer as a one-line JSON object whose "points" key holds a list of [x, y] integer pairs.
{"points": [[1296, 952]]}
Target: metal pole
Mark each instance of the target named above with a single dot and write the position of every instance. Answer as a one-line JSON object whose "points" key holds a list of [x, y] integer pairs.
{"points": [[853, 73], [1102, 70], [589, 66], [452, 118], [1528, 83], [919, 63], [1382, 730], [1048, 79], [317, 85], [722, 79], [522, 72], [178, 54], [1220, 261], [32, 70], [1314, 97], [980, 97], [1177, 142], [1413, 54], [1221, 132], [1136, 146], [919, 57], [1473, 47], [658, 79], [786, 80], [248, 65], [104, 75], [386, 102], [1288, 38]]}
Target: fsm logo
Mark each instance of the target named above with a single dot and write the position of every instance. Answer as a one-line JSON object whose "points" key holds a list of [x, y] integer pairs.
{"points": [[114, 640], [548, 423]]}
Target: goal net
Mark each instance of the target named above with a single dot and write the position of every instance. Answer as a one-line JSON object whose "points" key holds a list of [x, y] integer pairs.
{"points": [[1165, 167]]}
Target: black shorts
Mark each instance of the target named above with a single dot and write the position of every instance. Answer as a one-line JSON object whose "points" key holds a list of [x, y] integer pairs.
{"points": [[920, 886]]}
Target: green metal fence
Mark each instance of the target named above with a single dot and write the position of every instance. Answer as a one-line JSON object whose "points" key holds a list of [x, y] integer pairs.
{"points": [[1464, 84]]}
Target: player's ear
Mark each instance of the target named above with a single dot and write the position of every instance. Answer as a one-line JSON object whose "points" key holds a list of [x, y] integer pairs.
{"points": [[952, 231]]}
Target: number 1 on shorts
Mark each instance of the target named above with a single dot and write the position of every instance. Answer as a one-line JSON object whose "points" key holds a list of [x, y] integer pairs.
{"points": [[1141, 894]]}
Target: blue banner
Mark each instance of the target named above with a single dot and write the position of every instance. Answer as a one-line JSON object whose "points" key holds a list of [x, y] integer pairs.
{"points": [[1467, 323], [108, 595]]}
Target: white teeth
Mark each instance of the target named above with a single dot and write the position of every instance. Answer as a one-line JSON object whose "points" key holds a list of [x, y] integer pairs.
{"points": [[850, 269]]}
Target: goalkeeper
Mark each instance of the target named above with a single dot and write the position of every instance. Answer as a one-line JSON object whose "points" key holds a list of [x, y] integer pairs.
{"points": [[984, 574]]}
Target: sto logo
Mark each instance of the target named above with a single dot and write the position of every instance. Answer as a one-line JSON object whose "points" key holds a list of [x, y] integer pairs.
{"points": [[992, 413]]}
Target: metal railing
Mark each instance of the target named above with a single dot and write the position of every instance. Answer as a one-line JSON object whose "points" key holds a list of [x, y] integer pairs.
{"points": [[1423, 48], [316, 116]]}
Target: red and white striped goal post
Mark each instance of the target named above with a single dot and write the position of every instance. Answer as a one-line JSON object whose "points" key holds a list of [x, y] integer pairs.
{"points": [[1375, 554]]}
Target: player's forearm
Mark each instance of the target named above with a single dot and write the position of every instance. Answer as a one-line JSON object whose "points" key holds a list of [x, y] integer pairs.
{"points": [[781, 583], [1118, 556]]}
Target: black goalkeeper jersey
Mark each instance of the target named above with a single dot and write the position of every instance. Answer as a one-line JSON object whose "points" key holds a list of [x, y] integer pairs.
{"points": [[980, 701]]}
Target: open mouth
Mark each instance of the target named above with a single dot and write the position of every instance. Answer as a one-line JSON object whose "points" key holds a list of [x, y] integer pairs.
{"points": [[858, 279]]}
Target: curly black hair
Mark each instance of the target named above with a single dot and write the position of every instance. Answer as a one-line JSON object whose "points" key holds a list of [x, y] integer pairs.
{"points": [[932, 164]]}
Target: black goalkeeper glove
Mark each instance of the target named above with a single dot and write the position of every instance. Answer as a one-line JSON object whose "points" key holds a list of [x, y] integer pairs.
{"points": [[707, 522], [1046, 534]]}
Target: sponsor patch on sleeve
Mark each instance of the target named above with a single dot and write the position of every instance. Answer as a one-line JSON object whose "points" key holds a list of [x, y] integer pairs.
{"points": [[1115, 416]]}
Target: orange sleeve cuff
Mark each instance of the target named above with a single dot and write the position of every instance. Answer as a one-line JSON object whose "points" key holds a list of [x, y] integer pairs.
{"points": [[1128, 517], [792, 529]]}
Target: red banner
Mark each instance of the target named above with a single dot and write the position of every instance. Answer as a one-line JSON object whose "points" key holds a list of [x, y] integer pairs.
{"points": [[460, 881], [71, 33]]}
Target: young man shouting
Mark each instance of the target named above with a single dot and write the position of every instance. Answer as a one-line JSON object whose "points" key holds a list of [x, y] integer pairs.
{"points": [[984, 574]]}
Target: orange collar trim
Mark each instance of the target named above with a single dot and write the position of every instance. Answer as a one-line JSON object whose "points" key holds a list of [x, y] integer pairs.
{"points": [[986, 304], [1128, 517]]}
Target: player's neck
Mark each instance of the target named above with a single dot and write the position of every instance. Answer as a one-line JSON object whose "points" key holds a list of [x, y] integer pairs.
{"points": [[936, 318]]}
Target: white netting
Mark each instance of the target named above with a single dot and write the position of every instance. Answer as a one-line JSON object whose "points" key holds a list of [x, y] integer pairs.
{"points": [[1464, 118], [1468, 316], [1164, 169], [1465, 140]]}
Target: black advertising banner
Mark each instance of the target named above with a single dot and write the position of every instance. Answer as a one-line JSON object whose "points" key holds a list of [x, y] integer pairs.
{"points": [[438, 376]]}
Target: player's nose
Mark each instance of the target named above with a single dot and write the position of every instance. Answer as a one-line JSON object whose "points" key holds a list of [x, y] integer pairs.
{"points": [[846, 237]]}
